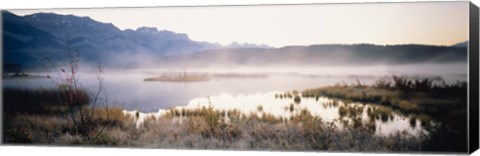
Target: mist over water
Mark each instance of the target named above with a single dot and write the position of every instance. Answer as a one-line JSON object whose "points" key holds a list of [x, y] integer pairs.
{"points": [[129, 90], [178, 92]]}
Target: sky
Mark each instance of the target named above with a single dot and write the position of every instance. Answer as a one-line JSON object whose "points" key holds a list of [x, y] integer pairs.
{"points": [[438, 23]]}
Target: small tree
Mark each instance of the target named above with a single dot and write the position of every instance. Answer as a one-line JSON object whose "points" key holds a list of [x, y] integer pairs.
{"points": [[81, 103]]}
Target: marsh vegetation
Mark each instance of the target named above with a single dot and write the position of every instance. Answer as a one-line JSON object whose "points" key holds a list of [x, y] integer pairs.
{"points": [[199, 77], [43, 119], [180, 77], [238, 110], [421, 99], [204, 128], [162, 89]]}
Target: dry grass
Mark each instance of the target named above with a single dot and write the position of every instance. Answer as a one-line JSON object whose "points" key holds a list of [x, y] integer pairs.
{"points": [[205, 128], [418, 98], [264, 132], [113, 116]]}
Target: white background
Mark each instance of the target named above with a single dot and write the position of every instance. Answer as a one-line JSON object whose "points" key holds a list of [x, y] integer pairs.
{"points": [[84, 151]]}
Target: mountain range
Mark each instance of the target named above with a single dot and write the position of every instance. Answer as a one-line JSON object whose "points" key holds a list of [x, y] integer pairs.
{"points": [[322, 55], [461, 44], [32, 41]]}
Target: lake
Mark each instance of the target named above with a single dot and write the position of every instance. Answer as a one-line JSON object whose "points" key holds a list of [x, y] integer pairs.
{"points": [[327, 109], [128, 90]]}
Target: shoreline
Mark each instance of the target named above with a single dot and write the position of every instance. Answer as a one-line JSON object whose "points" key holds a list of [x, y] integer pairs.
{"points": [[260, 129]]}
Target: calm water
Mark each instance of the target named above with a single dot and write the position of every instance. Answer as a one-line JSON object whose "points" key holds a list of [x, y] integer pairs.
{"points": [[280, 107], [128, 90], [132, 93]]}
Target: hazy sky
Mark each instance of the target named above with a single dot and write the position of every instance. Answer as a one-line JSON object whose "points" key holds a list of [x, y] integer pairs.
{"points": [[440, 23]]}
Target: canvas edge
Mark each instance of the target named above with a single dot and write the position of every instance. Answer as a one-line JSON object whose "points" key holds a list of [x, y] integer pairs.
{"points": [[473, 89], [473, 74], [2, 114]]}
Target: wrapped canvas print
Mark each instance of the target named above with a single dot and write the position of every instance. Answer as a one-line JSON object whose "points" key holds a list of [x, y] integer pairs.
{"points": [[361, 77]]}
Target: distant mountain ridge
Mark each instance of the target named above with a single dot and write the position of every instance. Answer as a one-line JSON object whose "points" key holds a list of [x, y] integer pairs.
{"points": [[24, 44], [461, 44], [319, 55], [36, 34], [32, 39], [246, 45]]}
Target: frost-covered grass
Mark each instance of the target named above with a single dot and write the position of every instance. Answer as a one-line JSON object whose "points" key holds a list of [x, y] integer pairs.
{"points": [[206, 130], [44, 120], [420, 99]]}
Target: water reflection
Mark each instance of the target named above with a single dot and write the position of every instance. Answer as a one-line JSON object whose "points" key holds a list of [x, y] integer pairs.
{"points": [[247, 96], [282, 105], [131, 92]]}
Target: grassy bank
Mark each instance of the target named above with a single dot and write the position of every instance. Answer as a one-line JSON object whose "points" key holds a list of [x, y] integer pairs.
{"points": [[420, 99], [45, 116], [180, 77], [205, 128], [44, 119]]}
